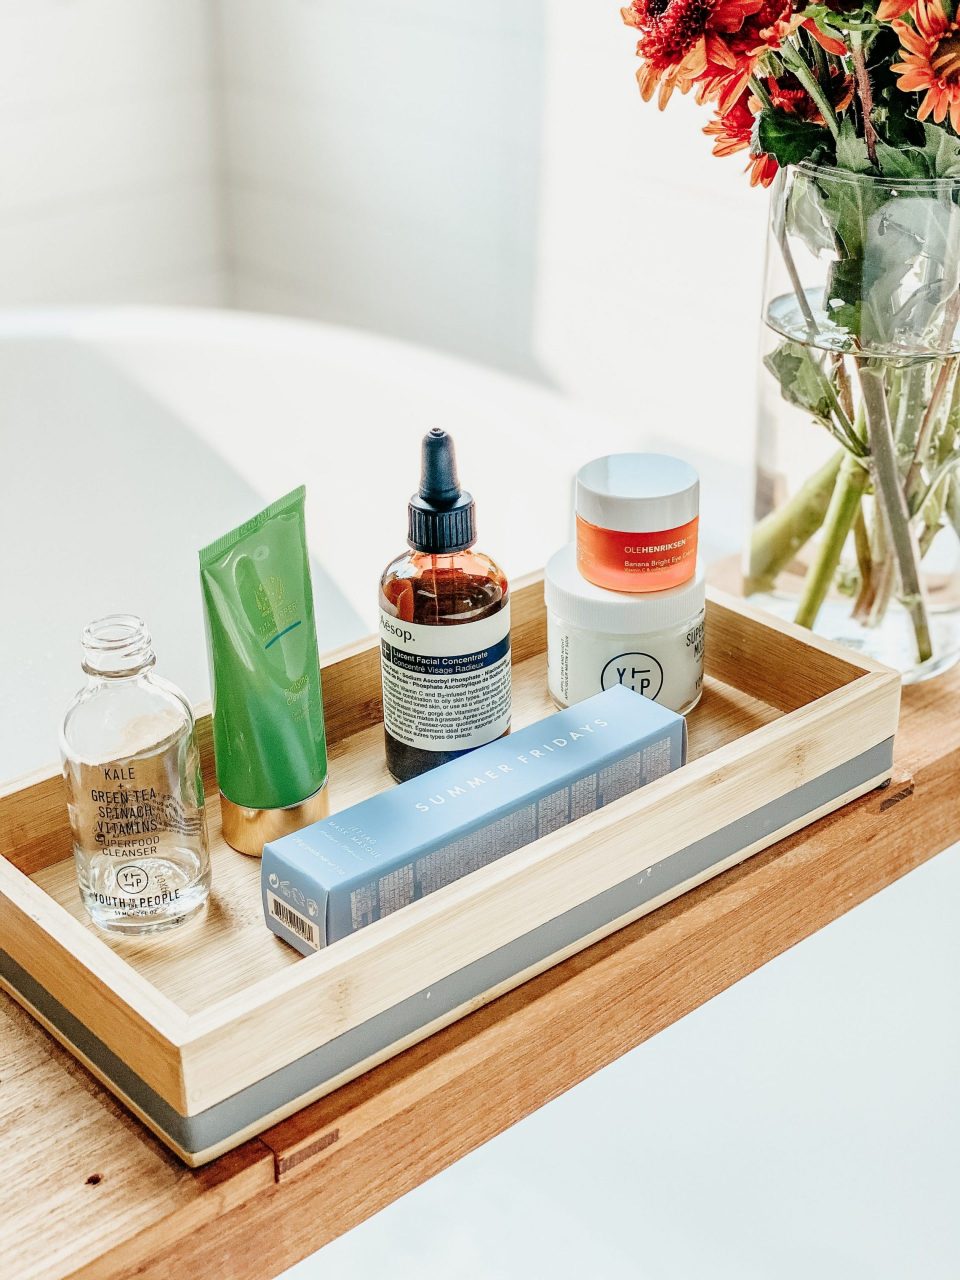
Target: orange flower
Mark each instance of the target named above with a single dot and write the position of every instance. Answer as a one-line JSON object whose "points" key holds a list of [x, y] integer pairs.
{"points": [[725, 82], [726, 78], [681, 39], [731, 64], [714, 44], [931, 61], [833, 44], [890, 9], [733, 128], [734, 132]]}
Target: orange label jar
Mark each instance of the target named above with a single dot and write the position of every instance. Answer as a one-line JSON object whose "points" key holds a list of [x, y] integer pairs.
{"points": [[637, 517]]}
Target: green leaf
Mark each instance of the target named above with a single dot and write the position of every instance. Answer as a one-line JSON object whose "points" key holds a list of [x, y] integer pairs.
{"points": [[806, 217], [901, 162], [788, 139], [895, 257], [939, 157], [841, 23], [801, 380], [843, 296], [852, 149], [848, 207], [942, 151]]}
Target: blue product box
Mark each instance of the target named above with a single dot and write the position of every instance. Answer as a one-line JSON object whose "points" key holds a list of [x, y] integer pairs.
{"points": [[336, 876]]}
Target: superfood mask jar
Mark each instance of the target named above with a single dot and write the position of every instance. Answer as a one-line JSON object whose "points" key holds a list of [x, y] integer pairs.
{"points": [[637, 516], [650, 642]]}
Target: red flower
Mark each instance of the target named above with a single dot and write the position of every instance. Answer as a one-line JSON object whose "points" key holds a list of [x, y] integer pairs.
{"points": [[733, 128], [681, 39], [734, 132], [788, 94], [832, 44], [726, 78], [890, 9]]}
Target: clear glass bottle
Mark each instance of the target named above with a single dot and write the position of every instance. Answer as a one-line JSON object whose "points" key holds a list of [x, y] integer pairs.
{"points": [[135, 794]]}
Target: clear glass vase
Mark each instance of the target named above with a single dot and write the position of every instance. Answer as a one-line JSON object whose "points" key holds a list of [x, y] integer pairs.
{"points": [[856, 522]]}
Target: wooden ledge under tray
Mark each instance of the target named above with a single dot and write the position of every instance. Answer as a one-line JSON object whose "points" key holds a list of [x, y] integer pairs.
{"points": [[217, 1031]]}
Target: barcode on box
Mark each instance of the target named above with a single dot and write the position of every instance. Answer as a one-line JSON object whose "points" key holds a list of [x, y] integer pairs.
{"points": [[291, 919]]}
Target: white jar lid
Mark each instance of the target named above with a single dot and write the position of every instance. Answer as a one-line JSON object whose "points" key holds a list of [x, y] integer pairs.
{"points": [[569, 595], [638, 492]]}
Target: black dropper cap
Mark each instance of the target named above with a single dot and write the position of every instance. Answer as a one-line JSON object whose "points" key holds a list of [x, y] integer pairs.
{"points": [[441, 516]]}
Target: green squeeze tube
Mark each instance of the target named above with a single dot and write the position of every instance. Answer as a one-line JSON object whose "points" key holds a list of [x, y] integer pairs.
{"points": [[268, 732]]}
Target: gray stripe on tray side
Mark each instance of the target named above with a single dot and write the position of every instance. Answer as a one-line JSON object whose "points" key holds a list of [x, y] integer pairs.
{"points": [[208, 1128]]}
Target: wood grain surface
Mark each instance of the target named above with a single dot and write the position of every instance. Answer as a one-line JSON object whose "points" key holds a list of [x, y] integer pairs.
{"points": [[88, 1192]]}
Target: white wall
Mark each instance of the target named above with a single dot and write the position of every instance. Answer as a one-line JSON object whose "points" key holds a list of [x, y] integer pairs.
{"points": [[650, 249], [382, 165], [479, 178], [485, 179], [108, 170]]}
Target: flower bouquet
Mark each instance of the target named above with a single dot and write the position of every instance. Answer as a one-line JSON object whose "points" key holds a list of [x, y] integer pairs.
{"points": [[852, 110]]}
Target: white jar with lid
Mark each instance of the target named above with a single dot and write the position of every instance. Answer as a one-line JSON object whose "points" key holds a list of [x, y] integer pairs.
{"points": [[651, 642]]}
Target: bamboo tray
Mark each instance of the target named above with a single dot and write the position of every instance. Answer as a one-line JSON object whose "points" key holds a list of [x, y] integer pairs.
{"points": [[217, 1031]]}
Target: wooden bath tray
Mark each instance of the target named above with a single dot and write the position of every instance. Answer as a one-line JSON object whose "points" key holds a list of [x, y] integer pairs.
{"points": [[217, 1031]]}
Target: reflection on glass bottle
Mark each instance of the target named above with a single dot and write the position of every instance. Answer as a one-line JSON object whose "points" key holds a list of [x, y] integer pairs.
{"points": [[134, 790]]}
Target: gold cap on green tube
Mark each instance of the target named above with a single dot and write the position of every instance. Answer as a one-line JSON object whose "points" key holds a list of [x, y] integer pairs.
{"points": [[248, 830]]}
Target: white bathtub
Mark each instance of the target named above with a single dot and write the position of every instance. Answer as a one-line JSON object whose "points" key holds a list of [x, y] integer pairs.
{"points": [[131, 437]]}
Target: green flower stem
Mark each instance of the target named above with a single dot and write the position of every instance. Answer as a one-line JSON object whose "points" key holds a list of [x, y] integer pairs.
{"points": [[910, 402], [928, 426], [779, 536], [808, 317], [759, 92], [933, 516], [802, 71], [883, 591], [842, 379], [891, 497], [861, 543], [848, 436], [936, 503], [873, 587], [952, 503], [841, 513], [864, 93], [929, 494], [819, 57]]}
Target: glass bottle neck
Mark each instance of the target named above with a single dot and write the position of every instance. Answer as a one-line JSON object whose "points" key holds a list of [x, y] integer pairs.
{"points": [[116, 646]]}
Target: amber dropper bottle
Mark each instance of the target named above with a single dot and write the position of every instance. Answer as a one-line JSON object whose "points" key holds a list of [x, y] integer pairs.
{"points": [[444, 628]]}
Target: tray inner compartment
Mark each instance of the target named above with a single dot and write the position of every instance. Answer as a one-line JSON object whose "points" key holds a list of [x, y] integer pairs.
{"points": [[229, 947]]}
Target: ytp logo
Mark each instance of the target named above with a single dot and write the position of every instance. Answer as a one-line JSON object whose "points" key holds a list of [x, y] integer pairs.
{"points": [[640, 672], [132, 879]]}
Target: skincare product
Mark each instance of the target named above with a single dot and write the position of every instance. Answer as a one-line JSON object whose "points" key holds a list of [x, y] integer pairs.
{"points": [[444, 628], [268, 731], [358, 866], [368, 862], [650, 642], [134, 791], [637, 517]]}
